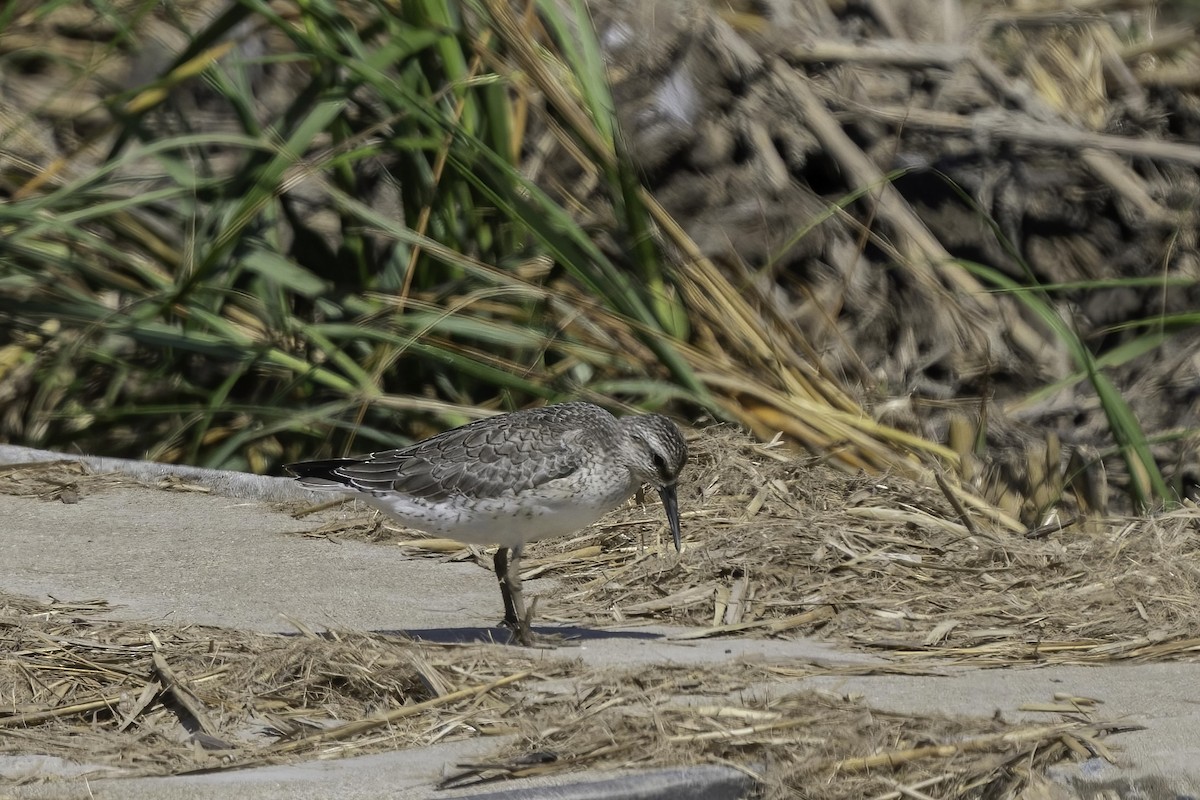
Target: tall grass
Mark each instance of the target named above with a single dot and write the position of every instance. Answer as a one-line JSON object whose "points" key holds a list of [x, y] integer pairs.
{"points": [[175, 294], [315, 229]]}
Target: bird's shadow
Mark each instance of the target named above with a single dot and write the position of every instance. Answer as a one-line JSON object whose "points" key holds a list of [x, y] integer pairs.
{"points": [[498, 635]]}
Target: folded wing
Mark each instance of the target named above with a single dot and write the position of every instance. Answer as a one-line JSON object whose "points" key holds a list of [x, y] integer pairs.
{"points": [[476, 460]]}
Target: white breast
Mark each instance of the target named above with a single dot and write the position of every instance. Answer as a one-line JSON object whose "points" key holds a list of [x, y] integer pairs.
{"points": [[507, 520]]}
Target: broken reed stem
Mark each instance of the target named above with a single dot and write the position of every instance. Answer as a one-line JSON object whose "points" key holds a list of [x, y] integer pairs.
{"points": [[963, 516], [896, 758], [149, 692], [108, 701], [735, 733], [771, 625], [909, 789], [370, 723], [177, 688], [1009, 127]]}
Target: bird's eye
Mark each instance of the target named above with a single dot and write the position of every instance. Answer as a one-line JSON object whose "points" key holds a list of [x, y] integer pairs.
{"points": [[660, 464]]}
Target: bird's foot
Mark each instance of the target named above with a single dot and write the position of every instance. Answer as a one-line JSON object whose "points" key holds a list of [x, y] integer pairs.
{"points": [[527, 637], [524, 635]]}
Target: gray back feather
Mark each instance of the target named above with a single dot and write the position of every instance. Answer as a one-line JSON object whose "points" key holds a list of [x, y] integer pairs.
{"points": [[489, 457]]}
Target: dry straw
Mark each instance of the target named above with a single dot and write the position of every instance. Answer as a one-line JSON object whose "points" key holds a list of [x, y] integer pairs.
{"points": [[131, 699], [777, 546]]}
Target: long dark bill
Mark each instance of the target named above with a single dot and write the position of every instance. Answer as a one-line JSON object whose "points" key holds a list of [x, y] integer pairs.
{"points": [[671, 504]]}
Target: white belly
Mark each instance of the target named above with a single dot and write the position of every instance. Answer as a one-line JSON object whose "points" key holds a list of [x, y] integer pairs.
{"points": [[506, 521]]}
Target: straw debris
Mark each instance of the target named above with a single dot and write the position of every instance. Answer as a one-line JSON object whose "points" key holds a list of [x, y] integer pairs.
{"points": [[128, 699], [154, 700], [62, 480], [790, 743], [777, 545]]}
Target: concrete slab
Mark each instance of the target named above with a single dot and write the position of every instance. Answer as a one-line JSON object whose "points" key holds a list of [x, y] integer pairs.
{"points": [[203, 558], [403, 775], [237, 562]]}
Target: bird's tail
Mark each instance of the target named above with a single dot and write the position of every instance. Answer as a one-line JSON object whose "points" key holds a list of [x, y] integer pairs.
{"points": [[321, 474]]}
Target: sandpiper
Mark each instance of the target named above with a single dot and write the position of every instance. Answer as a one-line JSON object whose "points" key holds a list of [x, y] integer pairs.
{"points": [[515, 478]]}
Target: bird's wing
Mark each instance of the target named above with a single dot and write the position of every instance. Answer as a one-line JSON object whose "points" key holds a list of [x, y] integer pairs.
{"points": [[476, 460]]}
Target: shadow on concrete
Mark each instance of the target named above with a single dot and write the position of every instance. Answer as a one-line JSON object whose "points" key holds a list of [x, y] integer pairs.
{"points": [[500, 635]]}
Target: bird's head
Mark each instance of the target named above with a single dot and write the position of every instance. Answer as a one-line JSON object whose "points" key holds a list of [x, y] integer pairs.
{"points": [[657, 454]]}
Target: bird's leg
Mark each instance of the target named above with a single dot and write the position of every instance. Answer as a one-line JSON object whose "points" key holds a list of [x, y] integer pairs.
{"points": [[512, 604], [517, 615], [522, 630]]}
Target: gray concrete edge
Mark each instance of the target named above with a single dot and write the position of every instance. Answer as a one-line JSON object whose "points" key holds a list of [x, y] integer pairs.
{"points": [[239, 485], [709, 782]]}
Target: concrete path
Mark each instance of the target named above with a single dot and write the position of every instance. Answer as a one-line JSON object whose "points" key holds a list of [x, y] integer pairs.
{"points": [[229, 559]]}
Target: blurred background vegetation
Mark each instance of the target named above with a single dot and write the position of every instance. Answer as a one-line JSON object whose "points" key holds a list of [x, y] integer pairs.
{"points": [[237, 234], [303, 228], [315, 231]]}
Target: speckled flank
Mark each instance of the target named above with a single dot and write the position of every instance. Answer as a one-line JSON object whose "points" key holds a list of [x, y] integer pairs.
{"points": [[513, 478]]}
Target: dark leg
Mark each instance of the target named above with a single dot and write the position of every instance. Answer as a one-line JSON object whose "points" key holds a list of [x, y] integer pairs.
{"points": [[516, 615], [512, 600], [523, 631]]}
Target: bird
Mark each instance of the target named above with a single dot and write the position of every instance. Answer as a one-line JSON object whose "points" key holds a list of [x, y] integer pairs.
{"points": [[515, 478]]}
